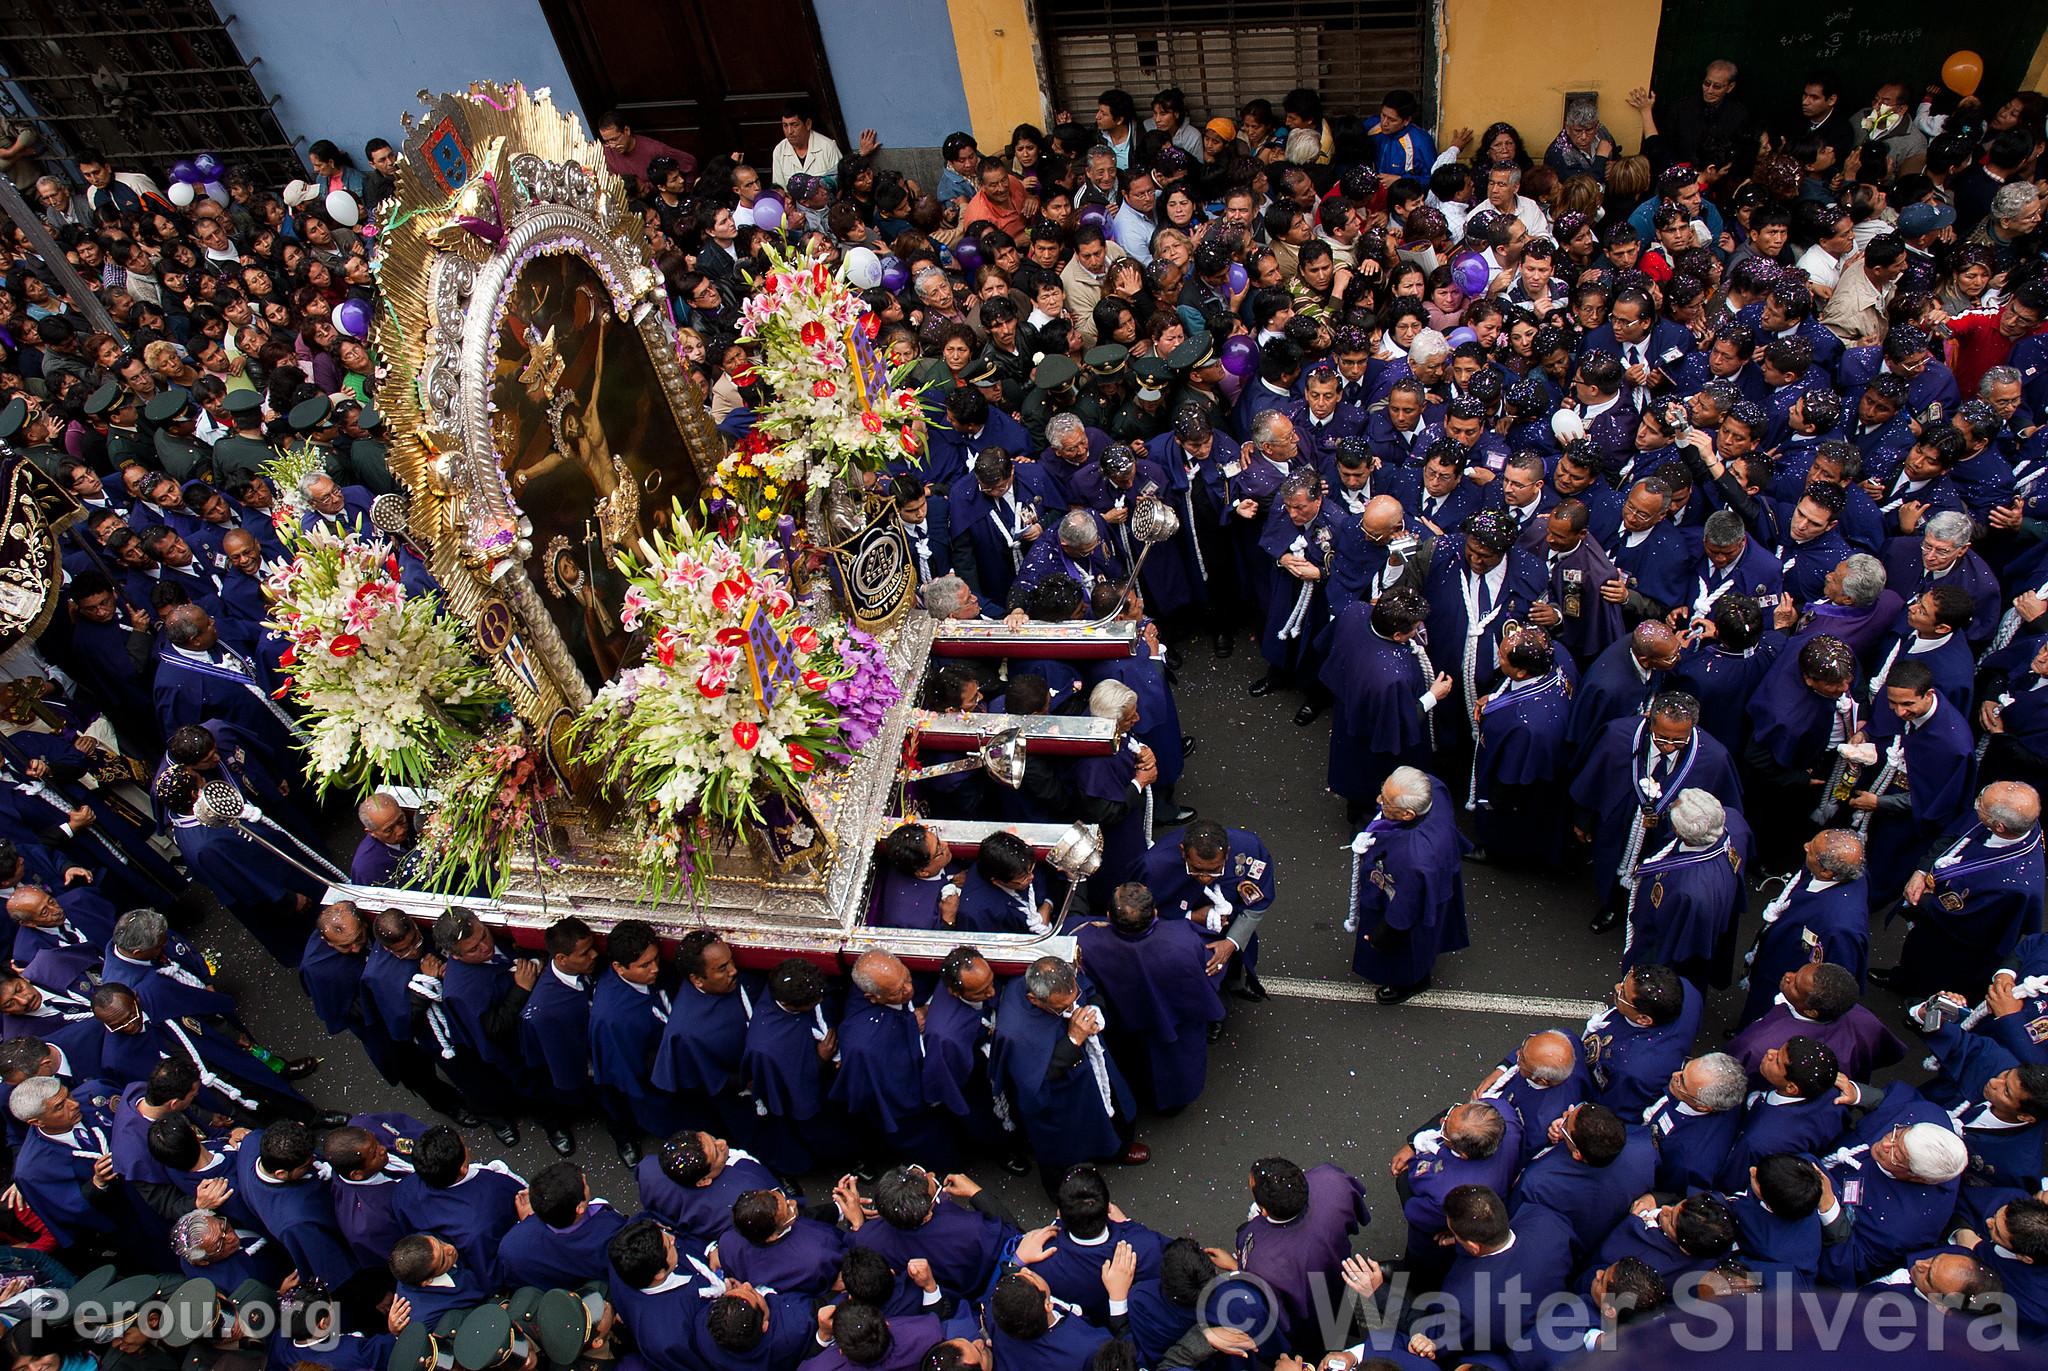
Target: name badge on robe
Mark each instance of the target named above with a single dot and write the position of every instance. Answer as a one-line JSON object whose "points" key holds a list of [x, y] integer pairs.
{"points": [[2037, 1029], [1953, 900], [1574, 592], [1385, 882], [1657, 894], [1852, 1192]]}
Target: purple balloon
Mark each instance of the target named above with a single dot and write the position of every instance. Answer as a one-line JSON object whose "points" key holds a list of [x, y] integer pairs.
{"points": [[353, 318], [184, 170], [768, 212], [895, 276], [967, 253], [1460, 336], [1093, 215], [1470, 274], [1237, 278], [208, 166], [1240, 354]]}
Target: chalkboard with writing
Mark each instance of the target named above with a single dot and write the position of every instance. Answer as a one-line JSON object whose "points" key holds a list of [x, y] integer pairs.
{"points": [[1775, 44]]}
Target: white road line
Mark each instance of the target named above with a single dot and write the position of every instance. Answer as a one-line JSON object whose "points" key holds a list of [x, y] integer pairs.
{"points": [[1538, 1006]]}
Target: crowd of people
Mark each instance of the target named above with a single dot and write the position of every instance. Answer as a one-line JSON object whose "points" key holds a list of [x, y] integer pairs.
{"points": [[1695, 483]]}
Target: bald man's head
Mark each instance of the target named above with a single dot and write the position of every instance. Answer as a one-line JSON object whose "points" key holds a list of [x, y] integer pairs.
{"points": [[344, 929], [189, 626], [2009, 808], [1547, 1058], [1654, 645], [1382, 517], [882, 977]]}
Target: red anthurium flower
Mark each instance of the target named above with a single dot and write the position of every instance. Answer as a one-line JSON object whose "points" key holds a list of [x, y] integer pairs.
{"points": [[743, 377], [732, 637], [665, 649], [709, 692], [281, 691], [804, 638], [871, 325], [909, 439], [288, 657], [821, 276], [391, 564], [812, 333], [746, 734], [345, 645], [800, 758], [871, 421], [824, 390], [814, 681], [724, 593]]}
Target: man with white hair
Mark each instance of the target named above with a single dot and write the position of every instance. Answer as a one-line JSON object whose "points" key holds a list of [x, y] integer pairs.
{"points": [[65, 1169], [1943, 556], [1688, 894], [1887, 1197], [1854, 605], [1974, 900], [1407, 886], [1078, 552], [1696, 1120], [387, 837], [1822, 915]]}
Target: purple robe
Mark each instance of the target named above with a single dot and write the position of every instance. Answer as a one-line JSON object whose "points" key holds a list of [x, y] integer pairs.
{"points": [[700, 1212], [880, 1081], [532, 1253], [1611, 788], [1831, 925], [1159, 998], [1377, 722], [1521, 751], [1859, 1039], [473, 1214], [1409, 896], [1631, 1063], [909, 901], [961, 1243], [1683, 911], [1613, 687], [910, 1338], [1723, 682], [1065, 1116], [805, 1259], [1984, 900], [1938, 780], [1299, 1260]]}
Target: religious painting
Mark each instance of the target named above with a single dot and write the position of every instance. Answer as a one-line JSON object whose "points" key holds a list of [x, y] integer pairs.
{"points": [[589, 447]]}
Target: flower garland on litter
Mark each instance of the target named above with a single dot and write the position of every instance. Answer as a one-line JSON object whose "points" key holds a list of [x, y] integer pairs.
{"points": [[492, 811], [684, 736], [835, 408], [386, 685]]}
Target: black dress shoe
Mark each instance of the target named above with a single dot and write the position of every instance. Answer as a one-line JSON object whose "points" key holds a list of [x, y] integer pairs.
{"points": [[1307, 715], [1889, 977], [1179, 814], [330, 1119], [562, 1140], [629, 1153], [1255, 989], [298, 1068], [1603, 921], [506, 1133], [1216, 1031], [1188, 743], [1265, 685], [1017, 1164], [1395, 994], [1224, 645], [466, 1119], [1174, 659]]}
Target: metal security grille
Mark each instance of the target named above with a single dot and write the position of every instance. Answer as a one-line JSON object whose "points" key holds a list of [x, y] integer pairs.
{"points": [[144, 81], [1225, 52]]}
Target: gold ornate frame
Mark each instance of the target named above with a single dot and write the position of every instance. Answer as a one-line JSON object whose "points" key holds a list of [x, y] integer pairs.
{"points": [[495, 178]]}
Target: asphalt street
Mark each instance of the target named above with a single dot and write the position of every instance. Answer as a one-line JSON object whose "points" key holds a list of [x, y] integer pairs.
{"points": [[1315, 1073]]}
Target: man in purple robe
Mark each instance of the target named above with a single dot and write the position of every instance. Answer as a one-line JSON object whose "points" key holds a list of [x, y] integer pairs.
{"points": [[1687, 895], [658, 1285], [1941, 555], [1632, 1047], [1932, 635], [563, 1240], [1853, 604], [1386, 690], [1476, 1143], [690, 1182], [1114, 791], [470, 1205], [916, 891], [773, 1244], [1885, 1198], [1521, 750], [367, 1158], [1223, 881], [1478, 584], [1296, 542], [1152, 975], [1408, 900], [1804, 713], [861, 1339], [881, 1080], [387, 837], [1976, 898], [1818, 1001], [1501, 1271], [1574, 568], [791, 1043], [1633, 772], [1113, 486], [1299, 1237], [555, 1031], [628, 1014], [1033, 1333], [1922, 782], [1822, 915], [959, 1229], [1068, 1254], [706, 1034], [1618, 684], [1651, 559], [1064, 1088], [959, 1023]]}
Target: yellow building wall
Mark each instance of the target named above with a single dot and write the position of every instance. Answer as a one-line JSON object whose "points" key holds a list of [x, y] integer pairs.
{"points": [[1514, 60], [998, 67]]}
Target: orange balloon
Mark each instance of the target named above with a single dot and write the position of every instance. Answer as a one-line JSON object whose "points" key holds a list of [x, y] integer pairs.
{"points": [[1962, 72]]}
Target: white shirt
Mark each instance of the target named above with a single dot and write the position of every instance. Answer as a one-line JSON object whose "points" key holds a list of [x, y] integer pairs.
{"points": [[821, 158], [1821, 266]]}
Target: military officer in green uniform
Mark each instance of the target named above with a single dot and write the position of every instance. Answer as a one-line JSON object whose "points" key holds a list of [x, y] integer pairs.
{"points": [[312, 421], [242, 452], [26, 426], [1146, 416], [178, 451], [1052, 390], [1201, 385], [119, 411], [1108, 385], [367, 446]]}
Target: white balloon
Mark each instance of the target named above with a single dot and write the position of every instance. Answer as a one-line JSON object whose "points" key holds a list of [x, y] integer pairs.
{"points": [[180, 193], [863, 268], [218, 192], [341, 208]]}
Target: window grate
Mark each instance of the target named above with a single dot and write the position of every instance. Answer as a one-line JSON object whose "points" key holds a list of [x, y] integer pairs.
{"points": [[1222, 53]]}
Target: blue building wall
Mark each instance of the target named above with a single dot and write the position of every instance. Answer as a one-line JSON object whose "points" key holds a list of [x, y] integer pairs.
{"points": [[895, 69], [347, 71]]}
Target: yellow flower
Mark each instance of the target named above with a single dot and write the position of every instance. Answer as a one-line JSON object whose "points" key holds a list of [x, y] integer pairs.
{"points": [[765, 515], [769, 492], [748, 470]]}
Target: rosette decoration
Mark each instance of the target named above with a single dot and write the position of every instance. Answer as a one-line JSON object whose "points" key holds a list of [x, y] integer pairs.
{"points": [[835, 410], [733, 700], [386, 686], [492, 811]]}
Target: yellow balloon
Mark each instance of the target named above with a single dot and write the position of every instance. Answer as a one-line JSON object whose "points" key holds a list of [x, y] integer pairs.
{"points": [[1962, 71]]}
